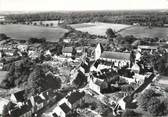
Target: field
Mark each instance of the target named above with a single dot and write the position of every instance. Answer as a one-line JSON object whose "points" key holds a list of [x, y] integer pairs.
{"points": [[137, 31], [24, 32], [99, 28]]}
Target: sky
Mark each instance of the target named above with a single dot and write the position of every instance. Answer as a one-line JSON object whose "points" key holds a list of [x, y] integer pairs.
{"points": [[77, 5]]}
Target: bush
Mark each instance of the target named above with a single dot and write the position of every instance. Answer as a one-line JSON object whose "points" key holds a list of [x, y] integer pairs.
{"points": [[154, 106], [130, 113]]}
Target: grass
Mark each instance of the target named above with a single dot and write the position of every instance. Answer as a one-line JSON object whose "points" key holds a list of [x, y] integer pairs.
{"points": [[24, 32], [137, 31], [140, 32], [98, 28]]}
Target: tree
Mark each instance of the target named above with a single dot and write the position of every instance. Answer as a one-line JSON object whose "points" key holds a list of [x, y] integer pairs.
{"points": [[53, 82], [154, 107], [51, 24], [132, 58], [36, 79], [110, 33], [3, 36], [73, 53], [144, 99], [80, 79]]}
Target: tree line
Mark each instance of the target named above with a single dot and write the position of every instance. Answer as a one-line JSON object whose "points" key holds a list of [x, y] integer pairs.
{"points": [[152, 18]]}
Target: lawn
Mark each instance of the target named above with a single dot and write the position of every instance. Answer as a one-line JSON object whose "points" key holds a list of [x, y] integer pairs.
{"points": [[24, 32]]}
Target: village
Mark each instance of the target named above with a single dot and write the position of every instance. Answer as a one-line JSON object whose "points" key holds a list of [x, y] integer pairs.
{"points": [[90, 62], [94, 83]]}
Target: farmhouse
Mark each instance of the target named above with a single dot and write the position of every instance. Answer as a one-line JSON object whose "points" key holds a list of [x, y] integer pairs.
{"points": [[119, 59]]}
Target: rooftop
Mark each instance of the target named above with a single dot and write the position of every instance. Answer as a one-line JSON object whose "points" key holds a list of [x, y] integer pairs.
{"points": [[19, 95], [98, 40], [115, 55], [65, 108]]}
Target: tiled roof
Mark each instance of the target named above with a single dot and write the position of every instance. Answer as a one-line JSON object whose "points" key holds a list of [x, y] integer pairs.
{"points": [[65, 108], [19, 95], [115, 55], [75, 96], [98, 40]]}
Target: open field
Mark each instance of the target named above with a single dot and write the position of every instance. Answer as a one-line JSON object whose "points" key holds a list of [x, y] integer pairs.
{"points": [[98, 28], [137, 31], [140, 31], [24, 32]]}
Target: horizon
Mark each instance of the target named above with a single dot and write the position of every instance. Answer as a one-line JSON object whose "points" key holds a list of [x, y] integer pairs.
{"points": [[66, 11], [81, 5]]}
